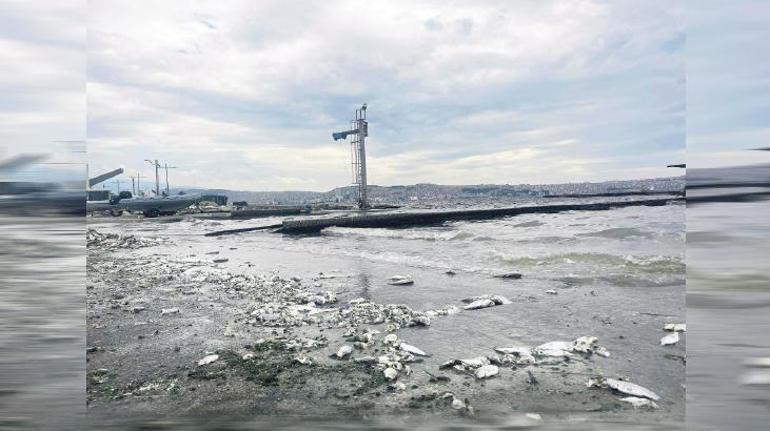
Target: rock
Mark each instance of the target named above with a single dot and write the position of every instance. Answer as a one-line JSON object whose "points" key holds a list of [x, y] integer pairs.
{"points": [[208, 359], [670, 339], [486, 371], [365, 360], [401, 280], [411, 349], [508, 275], [398, 387], [450, 272], [221, 260], [344, 351], [165, 311], [640, 402], [390, 373], [675, 327], [623, 387], [248, 356], [514, 350]]}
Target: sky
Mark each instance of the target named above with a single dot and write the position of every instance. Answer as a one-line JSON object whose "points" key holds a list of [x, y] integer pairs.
{"points": [[42, 82], [728, 82], [245, 95]]}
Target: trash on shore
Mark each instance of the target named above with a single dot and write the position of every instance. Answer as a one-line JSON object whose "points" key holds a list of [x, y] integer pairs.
{"points": [[640, 402], [485, 301], [112, 241], [344, 351], [670, 339], [486, 371], [551, 292], [401, 280], [166, 311], [411, 349], [627, 388], [675, 327], [208, 359]]}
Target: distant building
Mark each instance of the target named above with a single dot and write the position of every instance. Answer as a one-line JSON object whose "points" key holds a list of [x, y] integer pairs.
{"points": [[220, 200]]}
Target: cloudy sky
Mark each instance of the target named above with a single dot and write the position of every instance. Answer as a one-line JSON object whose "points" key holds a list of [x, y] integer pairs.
{"points": [[42, 82], [728, 82], [245, 95]]}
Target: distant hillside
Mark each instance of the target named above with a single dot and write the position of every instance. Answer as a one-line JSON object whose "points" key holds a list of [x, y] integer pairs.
{"points": [[436, 192]]}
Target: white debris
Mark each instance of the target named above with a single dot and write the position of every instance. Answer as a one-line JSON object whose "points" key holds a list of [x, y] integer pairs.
{"points": [[475, 362], [534, 416], [554, 348], [390, 339], [411, 349], [601, 351], [302, 359], [344, 351], [390, 373], [585, 344], [670, 339], [640, 402], [486, 371], [248, 356], [169, 311], [401, 280], [675, 327], [398, 386], [624, 387], [481, 303], [755, 378], [208, 359], [551, 292], [514, 350], [458, 404]]}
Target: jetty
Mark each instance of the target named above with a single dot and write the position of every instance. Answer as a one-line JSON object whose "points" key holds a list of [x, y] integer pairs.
{"points": [[366, 219]]}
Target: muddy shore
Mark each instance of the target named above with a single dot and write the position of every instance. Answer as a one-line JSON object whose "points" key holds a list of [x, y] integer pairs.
{"points": [[160, 309]]}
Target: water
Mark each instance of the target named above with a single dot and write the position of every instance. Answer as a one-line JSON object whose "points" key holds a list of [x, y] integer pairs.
{"points": [[619, 275], [728, 301]]}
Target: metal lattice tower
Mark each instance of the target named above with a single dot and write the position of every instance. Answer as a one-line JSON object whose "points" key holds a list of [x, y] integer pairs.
{"points": [[359, 130]]}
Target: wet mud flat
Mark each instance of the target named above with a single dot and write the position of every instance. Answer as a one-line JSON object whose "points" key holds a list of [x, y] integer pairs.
{"points": [[177, 329]]}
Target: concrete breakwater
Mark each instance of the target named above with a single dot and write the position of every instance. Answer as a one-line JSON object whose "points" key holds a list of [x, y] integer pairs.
{"points": [[423, 218]]}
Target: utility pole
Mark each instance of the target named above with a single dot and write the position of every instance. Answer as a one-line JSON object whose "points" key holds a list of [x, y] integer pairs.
{"points": [[157, 179], [358, 132], [133, 186], [168, 193]]}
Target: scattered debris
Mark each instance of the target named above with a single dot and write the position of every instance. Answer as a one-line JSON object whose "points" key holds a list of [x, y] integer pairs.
{"points": [[344, 351], [640, 402], [623, 387], [551, 292], [221, 260], [165, 311], [486, 371], [485, 301], [670, 339], [208, 359], [675, 327], [112, 241], [411, 349], [401, 280], [390, 373]]}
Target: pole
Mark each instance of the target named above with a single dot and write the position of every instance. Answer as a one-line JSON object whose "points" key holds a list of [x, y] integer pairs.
{"points": [[157, 179], [362, 133], [138, 184], [167, 190], [133, 186]]}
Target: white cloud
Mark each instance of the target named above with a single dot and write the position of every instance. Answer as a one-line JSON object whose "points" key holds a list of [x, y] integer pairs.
{"points": [[463, 90]]}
